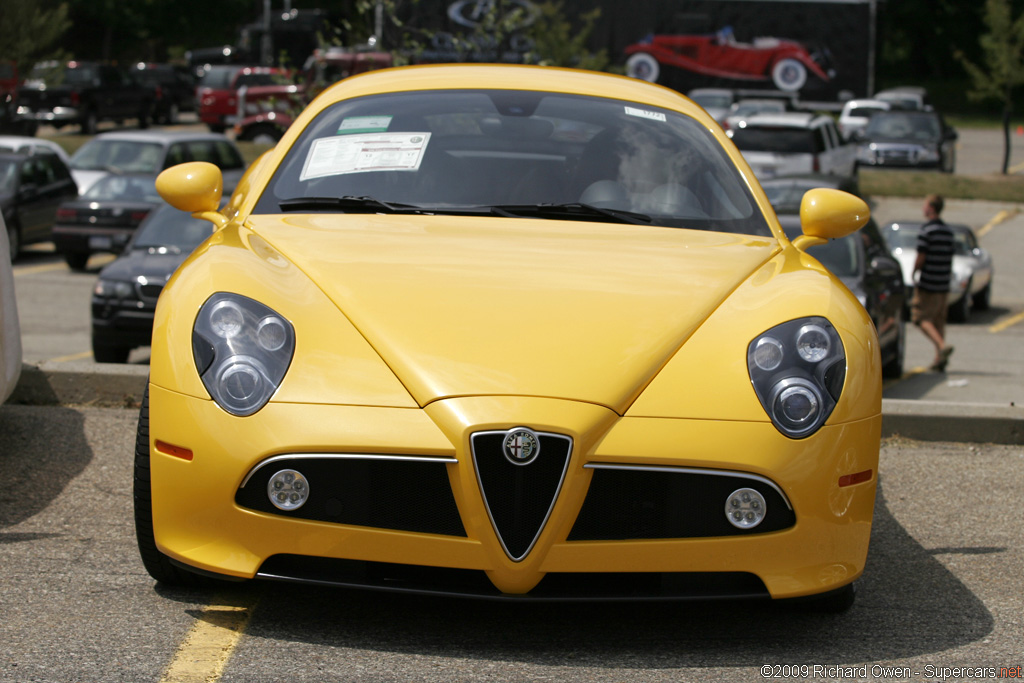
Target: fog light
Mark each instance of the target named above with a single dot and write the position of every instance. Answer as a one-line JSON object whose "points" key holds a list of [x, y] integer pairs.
{"points": [[288, 490], [745, 508]]}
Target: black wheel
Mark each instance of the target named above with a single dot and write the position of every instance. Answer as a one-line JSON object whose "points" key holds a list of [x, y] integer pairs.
{"points": [[217, 127], [894, 368], [76, 260], [13, 240], [264, 134], [109, 353], [960, 311], [983, 299], [90, 123], [156, 563]]}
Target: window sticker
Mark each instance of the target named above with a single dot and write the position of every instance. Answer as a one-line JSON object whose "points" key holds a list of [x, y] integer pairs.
{"points": [[364, 152], [364, 124], [644, 114]]}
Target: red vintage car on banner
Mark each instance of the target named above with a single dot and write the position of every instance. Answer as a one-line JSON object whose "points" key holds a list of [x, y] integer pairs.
{"points": [[786, 64]]}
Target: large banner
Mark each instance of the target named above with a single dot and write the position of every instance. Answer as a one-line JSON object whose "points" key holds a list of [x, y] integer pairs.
{"points": [[816, 49]]}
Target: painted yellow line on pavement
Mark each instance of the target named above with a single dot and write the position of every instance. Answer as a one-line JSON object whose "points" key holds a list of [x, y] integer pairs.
{"points": [[1000, 217], [82, 355], [45, 268], [1016, 168], [207, 647], [1006, 323]]}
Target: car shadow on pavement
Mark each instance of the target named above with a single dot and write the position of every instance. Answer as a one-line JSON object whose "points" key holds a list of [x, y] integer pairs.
{"points": [[901, 579], [36, 470]]}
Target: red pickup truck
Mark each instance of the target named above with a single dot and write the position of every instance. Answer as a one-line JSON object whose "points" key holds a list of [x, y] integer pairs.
{"points": [[217, 92]]}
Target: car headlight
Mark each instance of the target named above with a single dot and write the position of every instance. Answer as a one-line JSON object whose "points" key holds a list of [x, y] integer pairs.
{"points": [[926, 154], [866, 153], [114, 289], [797, 370], [242, 350]]}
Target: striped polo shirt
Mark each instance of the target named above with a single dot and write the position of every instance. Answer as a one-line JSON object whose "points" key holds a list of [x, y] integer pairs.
{"points": [[936, 243]]}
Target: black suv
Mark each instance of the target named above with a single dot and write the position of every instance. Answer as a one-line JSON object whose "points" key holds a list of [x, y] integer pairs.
{"points": [[175, 89]]}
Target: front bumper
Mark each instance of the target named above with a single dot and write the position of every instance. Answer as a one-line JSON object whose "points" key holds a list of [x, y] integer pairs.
{"points": [[51, 115], [88, 240], [199, 522]]}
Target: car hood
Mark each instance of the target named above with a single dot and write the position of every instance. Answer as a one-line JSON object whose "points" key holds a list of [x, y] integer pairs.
{"points": [[86, 179], [462, 306], [154, 267]]}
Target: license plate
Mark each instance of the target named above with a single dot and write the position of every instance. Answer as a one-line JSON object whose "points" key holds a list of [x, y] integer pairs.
{"points": [[100, 242]]}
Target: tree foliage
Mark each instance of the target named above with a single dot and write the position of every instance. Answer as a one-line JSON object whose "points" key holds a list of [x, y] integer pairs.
{"points": [[1002, 49], [30, 32]]}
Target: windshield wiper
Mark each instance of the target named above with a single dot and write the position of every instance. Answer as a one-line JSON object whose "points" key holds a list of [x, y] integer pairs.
{"points": [[574, 211], [347, 204]]}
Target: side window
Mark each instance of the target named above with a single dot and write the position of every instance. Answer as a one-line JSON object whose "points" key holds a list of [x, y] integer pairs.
{"points": [[202, 151], [229, 157], [28, 172], [47, 175], [175, 155]]}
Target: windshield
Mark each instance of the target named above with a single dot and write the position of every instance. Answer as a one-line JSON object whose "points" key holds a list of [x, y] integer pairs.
{"points": [[904, 126], [168, 228], [123, 188], [491, 152], [8, 175], [118, 155]]}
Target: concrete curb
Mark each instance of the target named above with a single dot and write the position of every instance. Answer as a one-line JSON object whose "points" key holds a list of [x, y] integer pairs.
{"points": [[103, 384]]}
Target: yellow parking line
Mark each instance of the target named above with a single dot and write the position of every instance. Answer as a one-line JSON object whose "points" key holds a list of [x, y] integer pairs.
{"points": [[82, 355], [45, 268], [1006, 323], [1000, 217], [1016, 168], [207, 647]]}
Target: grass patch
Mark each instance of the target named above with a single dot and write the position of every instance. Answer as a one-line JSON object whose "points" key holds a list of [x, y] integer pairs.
{"points": [[991, 187]]}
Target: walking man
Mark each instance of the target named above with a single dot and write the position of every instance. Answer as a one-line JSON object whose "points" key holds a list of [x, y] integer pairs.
{"points": [[935, 265]]}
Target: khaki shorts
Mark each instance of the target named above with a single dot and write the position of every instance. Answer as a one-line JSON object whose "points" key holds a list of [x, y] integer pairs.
{"points": [[929, 306]]}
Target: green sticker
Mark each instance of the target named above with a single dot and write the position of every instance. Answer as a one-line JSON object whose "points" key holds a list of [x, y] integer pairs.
{"points": [[364, 124]]}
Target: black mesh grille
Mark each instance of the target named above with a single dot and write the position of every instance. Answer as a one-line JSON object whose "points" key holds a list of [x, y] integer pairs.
{"points": [[645, 504], [404, 495], [519, 497], [553, 587]]}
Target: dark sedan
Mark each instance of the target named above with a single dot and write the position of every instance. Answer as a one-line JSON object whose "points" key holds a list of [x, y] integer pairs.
{"points": [[32, 187], [907, 139], [862, 261], [124, 298], [104, 218]]}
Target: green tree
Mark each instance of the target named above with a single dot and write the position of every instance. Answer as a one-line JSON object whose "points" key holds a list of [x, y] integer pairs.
{"points": [[30, 32], [559, 43], [1003, 68]]}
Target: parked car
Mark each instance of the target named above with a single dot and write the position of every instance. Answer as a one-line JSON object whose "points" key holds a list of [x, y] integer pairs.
{"points": [[32, 145], [855, 114], [32, 187], [125, 295], [908, 139], [10, 330], [151, 152], [793, 142], [786, 64], [84, 94], [716, 101], [862, 261], [174, 89], [743, 109], [217, 92], [971, 286], [456, 284], [905, 97], [104, 217]]}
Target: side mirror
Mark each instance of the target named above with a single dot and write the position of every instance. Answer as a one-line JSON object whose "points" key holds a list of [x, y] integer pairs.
{"points": [[827, 214], [194, 187]]}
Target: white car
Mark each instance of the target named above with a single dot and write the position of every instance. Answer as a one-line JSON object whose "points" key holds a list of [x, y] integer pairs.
{"points": [[152, 151], [743, 109], [793, 142], [971, 286], [855, 115], [24, 143], [10, 332]]}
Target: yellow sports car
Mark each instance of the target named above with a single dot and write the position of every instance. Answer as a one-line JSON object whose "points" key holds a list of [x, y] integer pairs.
{"points": [[509, 331]]}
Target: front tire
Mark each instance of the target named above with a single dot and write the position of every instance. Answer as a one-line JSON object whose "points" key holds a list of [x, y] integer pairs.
{"points": [[76, 260], [109, 353], [894, 368], [789, 75], [960, 311], [156, 563], [643, 66], [983, 299]]}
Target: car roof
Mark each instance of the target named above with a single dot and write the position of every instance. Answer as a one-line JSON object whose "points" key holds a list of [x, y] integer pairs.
{"points": [[161, 136], [795, 119], [865, 102]]}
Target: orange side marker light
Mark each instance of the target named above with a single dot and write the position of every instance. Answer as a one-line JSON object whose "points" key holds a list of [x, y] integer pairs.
{"points": [[858, 478], [171, 449]]}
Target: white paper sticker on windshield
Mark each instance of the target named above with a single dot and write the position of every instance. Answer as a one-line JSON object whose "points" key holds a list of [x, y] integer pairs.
{"points": [[364, 124], [365, 152], [644, 114]]}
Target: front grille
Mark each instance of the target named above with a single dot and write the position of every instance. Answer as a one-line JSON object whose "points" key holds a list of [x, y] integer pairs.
{"points": [[150, 290], [651, 503], [555, 587], [519, 498], [385, 492]]}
